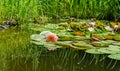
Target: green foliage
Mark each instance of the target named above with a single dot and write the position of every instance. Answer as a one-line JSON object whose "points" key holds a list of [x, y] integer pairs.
{"points": [[25, 10], [114, 56]]}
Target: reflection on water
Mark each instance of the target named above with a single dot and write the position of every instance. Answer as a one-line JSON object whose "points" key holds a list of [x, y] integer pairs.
{"points": [[65, 60]]}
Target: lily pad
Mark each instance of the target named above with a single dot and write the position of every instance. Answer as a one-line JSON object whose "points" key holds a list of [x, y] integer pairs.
{"points": [[78, 38], [110, 41], [100, 44], [107, 42], [82, 45], [37, 37], [69, 45], [98, 36], [114, 46], [93, 51], [109, 50], [103, 43], [44, 33], [114, 56], [117, 43], [71, 38], [76, 33], [66, 45], [69, 42], [63, 33], [64, 38], [109, 37], [39, 43], [51, 45], [79, 48], [117, 38]]}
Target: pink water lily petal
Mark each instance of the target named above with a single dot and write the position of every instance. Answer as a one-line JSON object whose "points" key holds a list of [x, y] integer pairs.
{"points": [[51, 37]]}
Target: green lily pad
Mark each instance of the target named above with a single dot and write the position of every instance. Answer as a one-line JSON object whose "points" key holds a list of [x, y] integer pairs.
{"points": [[114, 46], [109, 50], [109, 41], [83, 45], [37, 37], [79, 48], [51, 45], [93, 51], [71, 38], [117, 43], [63, 33], [103, 43], [114, 56], [39, 43], [78, 38], [66, 45], [69, 42], [117, 38], [100, 44]]}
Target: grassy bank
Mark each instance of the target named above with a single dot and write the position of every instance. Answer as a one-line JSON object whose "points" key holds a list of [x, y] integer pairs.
{"points": [[28, 10]]}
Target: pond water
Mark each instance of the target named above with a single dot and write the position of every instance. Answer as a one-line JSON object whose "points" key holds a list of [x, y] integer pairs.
{"points": [[62, 59], [66, 60]]}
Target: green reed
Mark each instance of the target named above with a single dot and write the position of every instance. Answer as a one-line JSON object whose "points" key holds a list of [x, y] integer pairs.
{"points": [[25, 10]]}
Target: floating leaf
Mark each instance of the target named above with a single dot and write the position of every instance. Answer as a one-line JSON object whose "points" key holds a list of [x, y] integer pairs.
{"points": [[109, 50], [98, 36], [107, 42], [117, 43], [100, 44], [93, 51], [114, 46], [114, 56], [82, 45], [117, 38], [71, 38], [64, 38], [66, 45], [69, 42], [51, 45], [79, 48], [78, 38], [44, 33], [77, 33], [39, 43], [109, 37], [63, 33], [103, 43], [110, 41], [37, 37]]}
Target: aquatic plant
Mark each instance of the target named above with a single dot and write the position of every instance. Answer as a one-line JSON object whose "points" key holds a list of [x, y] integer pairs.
{"points": [[51, 37], [114, 56]]}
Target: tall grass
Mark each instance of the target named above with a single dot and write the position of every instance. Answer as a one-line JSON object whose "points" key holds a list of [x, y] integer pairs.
{"points": [[24, 10]]}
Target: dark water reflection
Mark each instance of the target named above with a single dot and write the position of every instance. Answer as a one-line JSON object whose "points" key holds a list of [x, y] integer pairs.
{"points": [[65, 60]]}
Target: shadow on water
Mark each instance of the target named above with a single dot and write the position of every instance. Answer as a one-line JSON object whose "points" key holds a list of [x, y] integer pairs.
{"points": [[65, 60]]}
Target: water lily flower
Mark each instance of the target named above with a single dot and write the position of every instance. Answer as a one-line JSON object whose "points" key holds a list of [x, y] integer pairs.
{"points": [[91, 29], [51, 37]]}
